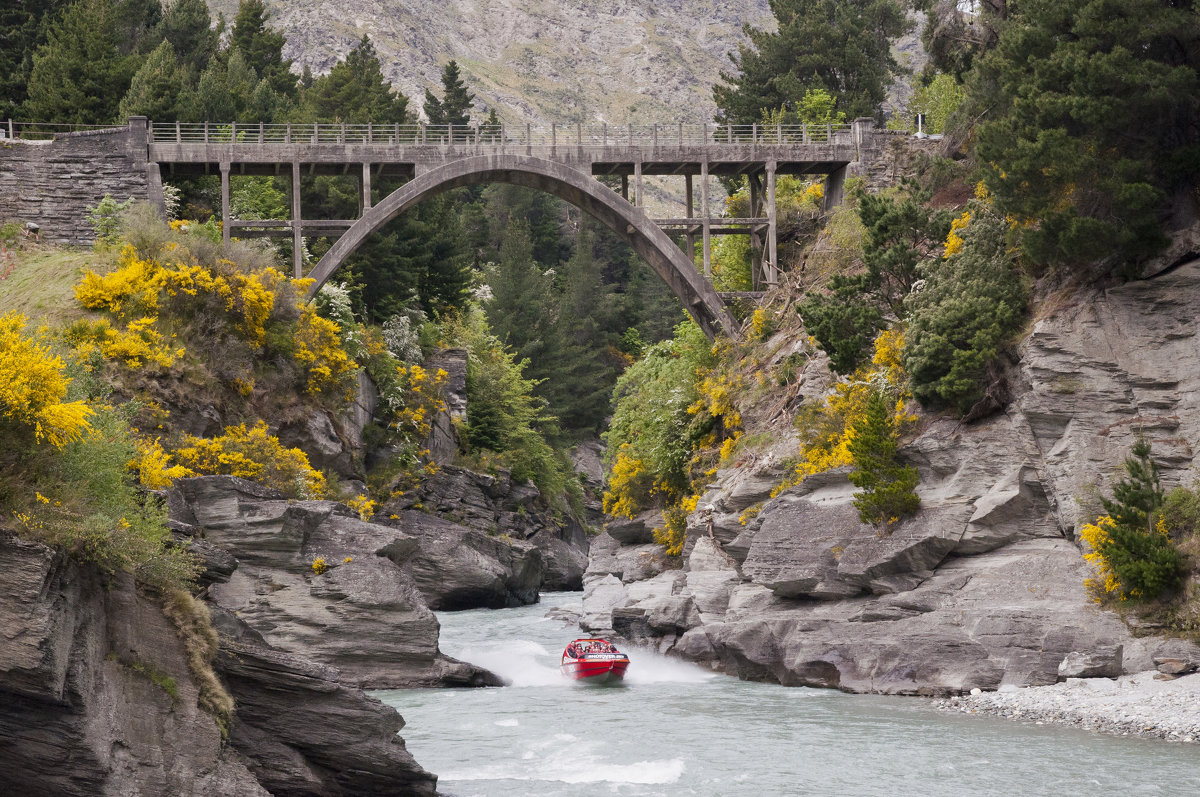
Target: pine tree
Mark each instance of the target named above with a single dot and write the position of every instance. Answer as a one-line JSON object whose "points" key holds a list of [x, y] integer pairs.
{"points": [[355, 91], [262, 47], [886, 487], [454, 108], [156, 88], [1138, 552], [843, 46], [187, 25], [24, 25], [80, 74], [1090, 111]]}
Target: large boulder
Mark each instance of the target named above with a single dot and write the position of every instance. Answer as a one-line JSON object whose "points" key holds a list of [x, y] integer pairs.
{"points": [[314, 580], [303, 732]]}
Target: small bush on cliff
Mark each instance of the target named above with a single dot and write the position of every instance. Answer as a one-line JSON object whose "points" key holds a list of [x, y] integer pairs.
{"points": [[33, 386], [253, 454], [885, 487], [1130, 546], [972, 305]]}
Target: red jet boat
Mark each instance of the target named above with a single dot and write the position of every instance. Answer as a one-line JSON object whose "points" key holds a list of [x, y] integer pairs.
{"points": [[594, 661]]}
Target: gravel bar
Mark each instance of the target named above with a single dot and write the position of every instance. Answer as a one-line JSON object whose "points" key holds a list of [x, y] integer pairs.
{"points": [[1146, 704]]}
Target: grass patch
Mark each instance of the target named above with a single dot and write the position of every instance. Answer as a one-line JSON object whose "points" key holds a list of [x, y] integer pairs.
{"points": [[42, 283]]}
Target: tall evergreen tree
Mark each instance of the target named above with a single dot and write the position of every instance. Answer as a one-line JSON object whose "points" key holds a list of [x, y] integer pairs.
{"points": [[1140, 555], [454, 108], [187, 25], [262, 47], [885, 486], [843, 46], [23, 28], [156, 88], [355, 91], [80, 73], [1092, 126]]}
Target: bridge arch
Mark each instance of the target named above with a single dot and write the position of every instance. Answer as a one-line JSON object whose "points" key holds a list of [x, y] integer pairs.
{"points": [[581, 190]]}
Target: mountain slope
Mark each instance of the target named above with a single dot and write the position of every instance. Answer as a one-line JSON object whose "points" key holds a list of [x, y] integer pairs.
{"points": [[538, 61]]}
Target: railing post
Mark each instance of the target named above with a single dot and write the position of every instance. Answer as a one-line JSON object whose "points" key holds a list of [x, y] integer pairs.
{"points": [[828, 133], [370, 133], [260, 132], [287, 134], [422, 132], [729, 132], [579, 134], [804, 133], [528, 139], [233, 132], [342, 134], [605, 133], [681, 135], [178, 133], [631, 134], [779, 133], [654, 137], [754, 134], [206, 132], [553, 136], [10, 129]]}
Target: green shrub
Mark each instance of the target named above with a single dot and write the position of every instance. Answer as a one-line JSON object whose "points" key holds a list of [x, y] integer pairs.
{"points": [[1131, 546], [105, 219], [886, 487], [972, 305]]}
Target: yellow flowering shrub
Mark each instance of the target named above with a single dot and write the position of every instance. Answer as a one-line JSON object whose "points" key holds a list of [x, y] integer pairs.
{"points": [[138, 345], [319, 350], [673, 534], [32, 388], [629, 486], [319, 565], [1096, 535], [256, 455], [363, 506], [153, 466], [132, 288], [954, 241], [827, 429]]}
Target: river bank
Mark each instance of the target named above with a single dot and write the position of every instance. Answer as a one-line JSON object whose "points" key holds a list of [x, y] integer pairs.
{"points": [[1147, 704]]}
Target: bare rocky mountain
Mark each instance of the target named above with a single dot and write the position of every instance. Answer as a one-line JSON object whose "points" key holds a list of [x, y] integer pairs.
{"points": [[536, 61]]}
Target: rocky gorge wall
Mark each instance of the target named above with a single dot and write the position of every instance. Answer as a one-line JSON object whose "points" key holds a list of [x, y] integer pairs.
{"points": [[984, 586], [53, 183]]}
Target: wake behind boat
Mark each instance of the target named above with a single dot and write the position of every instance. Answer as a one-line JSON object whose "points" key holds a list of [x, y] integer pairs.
{"points": [[594, 661]]}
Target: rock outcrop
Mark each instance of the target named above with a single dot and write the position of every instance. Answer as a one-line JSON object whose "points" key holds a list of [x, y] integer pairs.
{"points": [[95, 693], [363, 614], [984, 586]]}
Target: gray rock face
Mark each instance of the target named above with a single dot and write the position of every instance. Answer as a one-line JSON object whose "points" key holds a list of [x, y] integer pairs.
{"points": [[506, 512], [79, 714], [303, 732], [364, 615], [984, 586]]}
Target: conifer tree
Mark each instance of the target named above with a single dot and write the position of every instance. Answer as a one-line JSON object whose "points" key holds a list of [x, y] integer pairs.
{"points": [[355, 91], [262, 47], [886, 487], [23, 28], [156, 87], [80, 73], [843, 46], [454, 108], [1090, 111], [187, 25], [1139, 553]]}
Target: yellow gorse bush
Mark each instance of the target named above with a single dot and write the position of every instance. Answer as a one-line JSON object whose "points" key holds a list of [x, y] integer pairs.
{"points": [[628, 485], [954, 241], [1096, 535], [319, 349], [829, 428], [153, 466], [32, 388], [253, 454]]}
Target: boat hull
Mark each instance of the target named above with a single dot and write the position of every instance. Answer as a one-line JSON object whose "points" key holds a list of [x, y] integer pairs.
{"points": [[604, 671]]}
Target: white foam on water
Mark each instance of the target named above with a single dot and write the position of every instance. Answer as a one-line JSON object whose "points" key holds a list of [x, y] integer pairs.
{"points": [[507, 723], [566, 759], [520, 662], [649, 668]]}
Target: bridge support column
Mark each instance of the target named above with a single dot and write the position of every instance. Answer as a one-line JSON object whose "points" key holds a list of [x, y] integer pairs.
{"points": [[691, 205], [771, 265], [835, 186], [297, 230], [366, 187], [637, 183], [625, 187], [756, 247], [707, 233], [225, 203]]}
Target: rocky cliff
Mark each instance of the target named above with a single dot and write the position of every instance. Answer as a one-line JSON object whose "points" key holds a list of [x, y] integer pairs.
{"points": [[984, 586], [538, 61]]}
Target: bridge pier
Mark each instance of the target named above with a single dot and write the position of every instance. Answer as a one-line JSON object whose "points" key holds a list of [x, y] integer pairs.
{"points": [[771, 264], [297, 229], [707, 216], [224, 167]]}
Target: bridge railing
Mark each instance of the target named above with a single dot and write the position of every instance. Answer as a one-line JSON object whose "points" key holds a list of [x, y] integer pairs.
{"points": [[43, 131], [653, 135]]}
